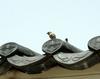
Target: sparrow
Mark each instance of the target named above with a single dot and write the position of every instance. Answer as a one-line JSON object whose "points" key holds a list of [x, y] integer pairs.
{"points": [[51, 35]]}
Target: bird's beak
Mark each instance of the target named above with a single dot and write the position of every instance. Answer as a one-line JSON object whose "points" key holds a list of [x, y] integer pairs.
{"points": [[47, 33]]}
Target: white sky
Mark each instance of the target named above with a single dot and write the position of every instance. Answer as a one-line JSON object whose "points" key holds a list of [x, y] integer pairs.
{"points": [[27, 21]]}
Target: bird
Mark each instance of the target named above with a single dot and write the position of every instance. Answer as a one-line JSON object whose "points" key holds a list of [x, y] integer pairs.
{"points": [[51, 35]]}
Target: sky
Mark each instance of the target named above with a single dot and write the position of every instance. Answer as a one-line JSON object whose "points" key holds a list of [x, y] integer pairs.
{"points": [[26, 22]]}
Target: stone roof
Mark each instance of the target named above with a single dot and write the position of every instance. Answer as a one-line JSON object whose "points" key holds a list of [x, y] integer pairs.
{"points": [[61, 59]]}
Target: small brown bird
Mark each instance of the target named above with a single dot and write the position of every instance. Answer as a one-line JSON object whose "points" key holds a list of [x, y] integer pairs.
{"points": [[51, 35]]}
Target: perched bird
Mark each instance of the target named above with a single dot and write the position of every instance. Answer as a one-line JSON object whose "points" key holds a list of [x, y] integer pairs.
{"points": [[51, 35]]}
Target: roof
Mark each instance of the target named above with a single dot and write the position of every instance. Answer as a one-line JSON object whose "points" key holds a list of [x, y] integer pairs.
{"points": [[56, 73]]}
